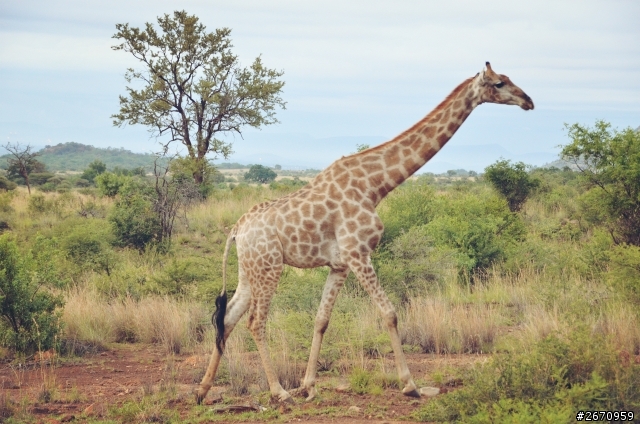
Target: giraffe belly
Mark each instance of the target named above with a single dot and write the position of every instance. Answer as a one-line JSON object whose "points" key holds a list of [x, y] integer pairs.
{"points": [[311, 255]]}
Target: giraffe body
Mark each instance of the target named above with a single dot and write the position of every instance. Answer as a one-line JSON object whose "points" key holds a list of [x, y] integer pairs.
{"points": [[332, 222]]}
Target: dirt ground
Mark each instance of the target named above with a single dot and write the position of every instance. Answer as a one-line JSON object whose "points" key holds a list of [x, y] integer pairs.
{"points": [[96, 388]]}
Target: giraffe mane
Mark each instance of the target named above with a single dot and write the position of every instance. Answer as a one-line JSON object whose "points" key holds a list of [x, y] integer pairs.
{"points": [[437, 109]]}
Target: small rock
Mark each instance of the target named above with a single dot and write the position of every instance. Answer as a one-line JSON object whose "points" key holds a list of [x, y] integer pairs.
{"points": [[67, 418], [429, 391], [354, 409]]}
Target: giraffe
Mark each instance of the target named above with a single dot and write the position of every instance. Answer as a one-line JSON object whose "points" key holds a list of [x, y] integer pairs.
{"points": [[332, 222]]}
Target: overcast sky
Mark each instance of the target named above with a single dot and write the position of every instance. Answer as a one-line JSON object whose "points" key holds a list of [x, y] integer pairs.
{"points": [[357, 68]]}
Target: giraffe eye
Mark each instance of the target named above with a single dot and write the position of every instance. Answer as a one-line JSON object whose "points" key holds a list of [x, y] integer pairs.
{"points": [[499, 85]]}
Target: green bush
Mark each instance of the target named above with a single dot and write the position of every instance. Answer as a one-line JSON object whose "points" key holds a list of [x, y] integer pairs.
{"points": [[95, 168], [86, 245], [553, 381], [481, 229], [5, 201], [6, 184], [110, 184], [512, 182], [624, 270], [38, 204], [133, 219], [178, 278], [408, 206], [412, 264], [30, 320]]}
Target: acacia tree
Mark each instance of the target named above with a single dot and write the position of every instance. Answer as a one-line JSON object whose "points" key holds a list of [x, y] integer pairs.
{"points": [[260, 174], [609, 163], [193, 87], [23, 162]]}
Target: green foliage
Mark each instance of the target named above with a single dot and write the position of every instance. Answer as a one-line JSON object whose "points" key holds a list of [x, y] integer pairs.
{"points": [[7, 185], [94, 169], [109, 184], [39, 178], [38, 204], [609, 164], [133, 219], [412, 264], [260, 174], [481, 229], [624, 270], [365, 382], [28, 311], [87, 246], [512, 182], [287, 185], [178, 278], [409, 205], [553, 381], [179, 56]]}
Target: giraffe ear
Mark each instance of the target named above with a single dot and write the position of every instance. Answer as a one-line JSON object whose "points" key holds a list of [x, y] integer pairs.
{"points": [[487, 74]]}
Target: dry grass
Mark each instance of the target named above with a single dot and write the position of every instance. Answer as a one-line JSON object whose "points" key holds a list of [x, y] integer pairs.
{"points": [[162, 320], [439, 326]]}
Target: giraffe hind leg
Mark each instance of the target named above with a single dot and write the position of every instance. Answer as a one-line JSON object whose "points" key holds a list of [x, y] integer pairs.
{"points": [[238, 305], [257, 326]]}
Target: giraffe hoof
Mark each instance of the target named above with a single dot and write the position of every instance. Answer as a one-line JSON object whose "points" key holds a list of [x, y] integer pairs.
{"points": [[411, 392], [199, 398], [311, 394], [285, 397]]}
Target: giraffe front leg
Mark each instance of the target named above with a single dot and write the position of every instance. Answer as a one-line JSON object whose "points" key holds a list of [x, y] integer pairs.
{"points": [[362, 267], [332, 287]]}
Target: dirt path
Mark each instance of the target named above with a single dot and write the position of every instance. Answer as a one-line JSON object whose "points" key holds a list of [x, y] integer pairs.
{"points": [[112, 386]]}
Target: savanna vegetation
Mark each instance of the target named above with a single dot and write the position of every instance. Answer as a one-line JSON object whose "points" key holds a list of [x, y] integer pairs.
{"points": [[536, 270]]}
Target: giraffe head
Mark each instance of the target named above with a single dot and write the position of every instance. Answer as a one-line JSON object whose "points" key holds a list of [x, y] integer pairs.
{"points": [[495, 88]]}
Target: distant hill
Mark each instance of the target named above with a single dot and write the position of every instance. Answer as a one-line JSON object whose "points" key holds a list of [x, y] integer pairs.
{"points": [[76, 157]]}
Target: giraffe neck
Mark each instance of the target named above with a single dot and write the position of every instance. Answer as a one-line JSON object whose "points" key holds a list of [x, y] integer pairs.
{"points": [[402, 156]]}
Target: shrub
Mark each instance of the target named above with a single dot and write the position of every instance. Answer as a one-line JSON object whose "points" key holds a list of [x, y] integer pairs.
{"points": [[135, 223], [38, 204], [6, 184], [548, 384], [87, 246], [110, 184], [624, 270], [410, 205], [412, 264], [480, 228], [30, 321], [511, 181], [95, 168]]}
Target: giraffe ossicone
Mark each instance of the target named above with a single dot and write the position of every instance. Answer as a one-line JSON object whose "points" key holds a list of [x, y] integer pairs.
{"points": [[332, 222]]}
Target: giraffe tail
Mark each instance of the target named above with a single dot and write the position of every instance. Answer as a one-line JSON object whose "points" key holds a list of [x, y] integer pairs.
{"points": [[217, 319]]}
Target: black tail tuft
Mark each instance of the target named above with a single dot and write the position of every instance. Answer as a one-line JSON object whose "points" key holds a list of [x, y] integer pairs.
{"points": [[218, 320]]}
